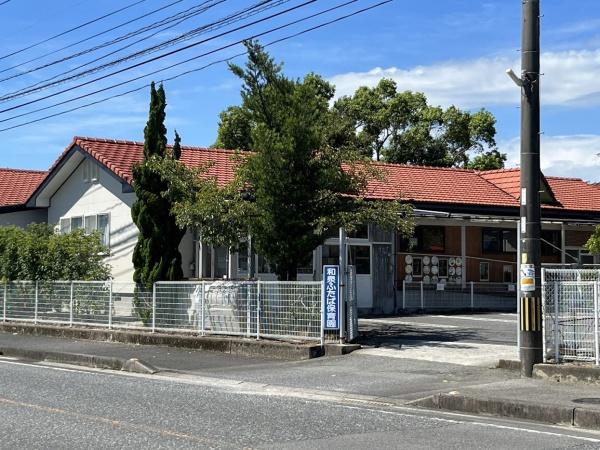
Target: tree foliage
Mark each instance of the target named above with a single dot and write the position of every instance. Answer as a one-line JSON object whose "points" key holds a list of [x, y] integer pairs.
{"points": [[401, 127], [489, 160], [593, 243], [156, 255], [295, 187], [38, 253]]}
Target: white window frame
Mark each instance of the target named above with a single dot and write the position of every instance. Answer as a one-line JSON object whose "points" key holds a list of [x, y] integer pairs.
{"points": [[84, 218]]}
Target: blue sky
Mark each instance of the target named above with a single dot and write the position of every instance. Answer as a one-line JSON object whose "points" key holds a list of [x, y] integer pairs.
{"points": [[455, 51]]}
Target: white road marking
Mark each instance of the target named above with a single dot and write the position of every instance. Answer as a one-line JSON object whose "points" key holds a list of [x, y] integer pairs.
{"points": [[339, 398]]}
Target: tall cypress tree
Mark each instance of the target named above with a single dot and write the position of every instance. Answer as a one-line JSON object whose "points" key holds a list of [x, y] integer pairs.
{"points": [[156, 255]]}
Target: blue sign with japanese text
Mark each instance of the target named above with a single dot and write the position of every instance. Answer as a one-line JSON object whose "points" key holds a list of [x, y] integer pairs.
{"points": [[331, 297]]}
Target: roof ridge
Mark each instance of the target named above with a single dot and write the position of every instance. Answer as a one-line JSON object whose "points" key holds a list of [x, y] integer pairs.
{"points": [[505, 170], [419, 166], [130, 142], [567, 178], [10, 169]]}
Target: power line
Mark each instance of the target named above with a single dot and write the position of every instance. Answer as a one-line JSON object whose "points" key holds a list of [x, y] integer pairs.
{"points": [[155, 58], [78, 27], [227, 20], [4, 2], [187, 72], [37, 58]]}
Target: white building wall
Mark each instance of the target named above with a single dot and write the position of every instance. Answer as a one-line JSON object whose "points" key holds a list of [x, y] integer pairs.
{"points": [[79, 198], [23, 218]]}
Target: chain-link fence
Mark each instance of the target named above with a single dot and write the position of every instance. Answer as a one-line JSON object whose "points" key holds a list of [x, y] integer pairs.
{"points": [[445, 296], [571, 314], [281, 310]]}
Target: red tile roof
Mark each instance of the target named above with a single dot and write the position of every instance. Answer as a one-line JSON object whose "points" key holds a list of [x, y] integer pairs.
{"points": [[410, 183], [120, 156], [437, 185], [16, 185]]}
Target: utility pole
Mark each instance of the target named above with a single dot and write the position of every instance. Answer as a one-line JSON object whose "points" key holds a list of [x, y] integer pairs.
{"points": [[530, 295]]}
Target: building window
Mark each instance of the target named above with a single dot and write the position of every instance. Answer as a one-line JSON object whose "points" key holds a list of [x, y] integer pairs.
{"points": [[360, 257], [484, 271], [90, 171], [497, 240], [507, 273], [443, 268], [331, 255], [92, 223], [426, 239], [551, 242], [417, 267]]}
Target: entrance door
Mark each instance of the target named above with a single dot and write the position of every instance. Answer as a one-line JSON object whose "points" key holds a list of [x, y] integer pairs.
{"points": [[360, 257]]}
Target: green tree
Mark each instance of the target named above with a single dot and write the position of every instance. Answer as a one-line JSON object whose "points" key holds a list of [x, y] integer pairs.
{"points": [[38, 253], [593, 243], [295, 188], [401, 127], [156, 255], [490, 160]]}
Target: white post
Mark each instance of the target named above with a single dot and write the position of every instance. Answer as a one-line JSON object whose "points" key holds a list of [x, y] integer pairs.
{"points": [[248, 312], [71, 306], [556, 343], [4, 302], [422, 298], [472, 296], [203, 291], [258, 310], [404, 295], [153, 307], [518, 298], [597, 347], [463, 254], [110, 304], [343, 277], [322, 315], [35, 316]]}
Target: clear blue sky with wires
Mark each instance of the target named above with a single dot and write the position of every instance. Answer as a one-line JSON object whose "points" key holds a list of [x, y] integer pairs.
{"points": [[80, 67]]}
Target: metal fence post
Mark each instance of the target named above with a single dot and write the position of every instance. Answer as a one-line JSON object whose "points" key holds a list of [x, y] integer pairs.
{"points": [[203, 293], [404, 295], [35, 313], [596, 346], [422, 297], [322, 311], [556, 343], [4, 302], [153, 307], [110, 304], [248, 312], [472, 296], [71, 306], [258, 310]]}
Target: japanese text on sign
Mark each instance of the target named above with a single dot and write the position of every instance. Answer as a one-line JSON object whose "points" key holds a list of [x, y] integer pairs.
{"points": [[331, 297]]}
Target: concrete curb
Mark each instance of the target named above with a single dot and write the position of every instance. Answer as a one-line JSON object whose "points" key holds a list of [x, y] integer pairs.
{"points": [[538, 412], [79, 359], [509, 364], [238, 346], [567, 373]]}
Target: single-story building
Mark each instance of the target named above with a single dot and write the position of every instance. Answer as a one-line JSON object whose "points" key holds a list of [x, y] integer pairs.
{"points": [[467, 221]]}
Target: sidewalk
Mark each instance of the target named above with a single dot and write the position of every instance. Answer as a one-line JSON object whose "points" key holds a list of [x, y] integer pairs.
{"points": [[360, 375]]}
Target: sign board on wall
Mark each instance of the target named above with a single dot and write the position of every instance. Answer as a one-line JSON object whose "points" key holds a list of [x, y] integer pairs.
{"points": [[331, 297]]}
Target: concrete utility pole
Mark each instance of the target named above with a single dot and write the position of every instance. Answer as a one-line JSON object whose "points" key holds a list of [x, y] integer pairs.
{"points": [[530, 295]]}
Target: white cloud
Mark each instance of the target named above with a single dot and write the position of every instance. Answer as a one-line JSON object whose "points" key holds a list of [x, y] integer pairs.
{"points": [[570, 78], [566, 156]]}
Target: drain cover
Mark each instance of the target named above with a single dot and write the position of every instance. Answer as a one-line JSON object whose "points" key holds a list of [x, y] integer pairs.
{"points": [[591, 401]]}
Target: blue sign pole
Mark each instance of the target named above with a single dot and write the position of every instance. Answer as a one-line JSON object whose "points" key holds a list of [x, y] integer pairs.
{"points": [[331, 297]]}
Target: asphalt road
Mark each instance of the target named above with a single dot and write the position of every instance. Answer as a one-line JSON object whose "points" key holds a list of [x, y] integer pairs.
{"points": [[490, 328], [46, 407]]}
